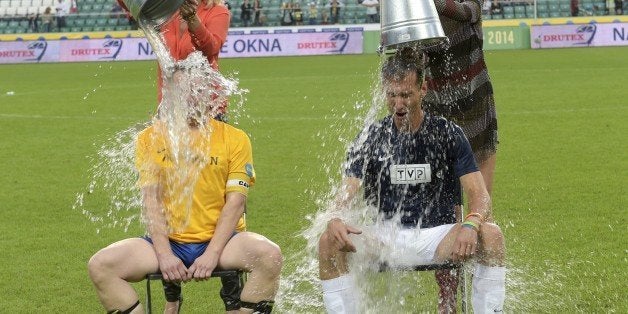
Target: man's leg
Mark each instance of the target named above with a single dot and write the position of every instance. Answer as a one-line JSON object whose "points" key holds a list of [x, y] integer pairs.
{"points": [[489, 278], [112, 268], [447, 280], [174, 299], [263, 260], [338, 294], [230, 293]]}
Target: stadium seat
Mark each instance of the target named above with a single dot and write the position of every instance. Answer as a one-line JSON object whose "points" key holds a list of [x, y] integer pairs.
{"points": [[90, 22], [98, 7], [554, 8], [218, 273]]}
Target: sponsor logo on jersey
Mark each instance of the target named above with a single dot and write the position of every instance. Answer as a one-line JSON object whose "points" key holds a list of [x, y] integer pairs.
{"points": [[410, 174]]}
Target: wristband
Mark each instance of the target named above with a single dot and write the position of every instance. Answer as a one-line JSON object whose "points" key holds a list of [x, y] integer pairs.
{"points": [[475, 215], [472, 225]]}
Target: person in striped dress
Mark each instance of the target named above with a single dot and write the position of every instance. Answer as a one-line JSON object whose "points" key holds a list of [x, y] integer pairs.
{"points": [[460, 89]]}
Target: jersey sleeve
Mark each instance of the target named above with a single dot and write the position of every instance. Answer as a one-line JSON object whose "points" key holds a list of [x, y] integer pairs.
{"points": [[241, 171], [464, 161]]}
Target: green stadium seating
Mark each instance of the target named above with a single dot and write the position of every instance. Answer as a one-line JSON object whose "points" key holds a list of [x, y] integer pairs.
{"points": [[90, 22]]}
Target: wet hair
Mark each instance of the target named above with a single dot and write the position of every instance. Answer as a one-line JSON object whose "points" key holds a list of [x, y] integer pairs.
{"points": [[405, 60]]}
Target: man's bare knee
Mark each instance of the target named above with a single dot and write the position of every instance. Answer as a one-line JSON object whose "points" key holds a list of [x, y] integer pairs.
{"points": [[99, 267], [270, 258], [492, 244]]}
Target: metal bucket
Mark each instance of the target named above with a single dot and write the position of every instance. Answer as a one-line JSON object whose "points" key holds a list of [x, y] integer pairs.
{"points": [[154, 11], [413, 23]]}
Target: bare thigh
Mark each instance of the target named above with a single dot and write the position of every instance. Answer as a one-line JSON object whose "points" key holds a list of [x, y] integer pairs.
{"points": [[130, 259], [244, 250]]}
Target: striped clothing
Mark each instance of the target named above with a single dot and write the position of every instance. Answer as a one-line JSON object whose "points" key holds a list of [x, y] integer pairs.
{"points": [[459, 87]]}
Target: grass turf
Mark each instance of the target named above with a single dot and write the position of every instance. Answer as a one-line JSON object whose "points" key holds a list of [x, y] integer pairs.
{"points": [[558, 195]]}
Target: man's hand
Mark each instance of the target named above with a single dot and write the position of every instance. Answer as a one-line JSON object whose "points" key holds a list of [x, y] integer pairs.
{"points": [[339, 232], [465, 245], [172, 268], [203, 266]]}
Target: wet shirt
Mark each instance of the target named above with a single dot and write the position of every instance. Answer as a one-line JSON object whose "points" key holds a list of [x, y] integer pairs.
{"points": [[227, 167], [415, 175]]}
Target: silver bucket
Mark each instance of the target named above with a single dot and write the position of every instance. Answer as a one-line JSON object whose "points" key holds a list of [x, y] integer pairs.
{"points": [[154, 11], [412, 23]]}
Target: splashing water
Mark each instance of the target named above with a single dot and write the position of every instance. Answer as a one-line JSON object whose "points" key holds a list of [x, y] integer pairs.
{"points": [[192, 92]]}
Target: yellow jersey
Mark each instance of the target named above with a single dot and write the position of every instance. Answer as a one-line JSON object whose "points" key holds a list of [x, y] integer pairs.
{"points": [[214, 164]]}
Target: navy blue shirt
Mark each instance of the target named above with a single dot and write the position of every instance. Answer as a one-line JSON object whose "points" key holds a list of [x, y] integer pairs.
{"points": [[413, 174]]}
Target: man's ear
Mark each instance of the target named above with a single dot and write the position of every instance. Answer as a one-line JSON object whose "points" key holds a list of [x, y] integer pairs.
{"points": [[423, 89]]}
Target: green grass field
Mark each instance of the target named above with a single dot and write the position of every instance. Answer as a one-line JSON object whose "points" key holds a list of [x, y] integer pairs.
{"points": [[559, 195]]}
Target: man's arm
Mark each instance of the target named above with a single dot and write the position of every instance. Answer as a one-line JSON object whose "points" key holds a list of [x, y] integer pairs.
{"points": [[477, 195], [336, 228], [231, 212], [479, 208], [465, 11], [172, 268]]}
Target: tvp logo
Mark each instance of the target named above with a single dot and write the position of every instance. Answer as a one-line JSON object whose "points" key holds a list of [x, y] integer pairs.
{"points": [[587, 33], [113, 47], [340, 41], [37, 49]]}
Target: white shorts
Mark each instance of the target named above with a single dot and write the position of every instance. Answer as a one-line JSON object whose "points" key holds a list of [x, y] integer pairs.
{"points": [[398, 247]]}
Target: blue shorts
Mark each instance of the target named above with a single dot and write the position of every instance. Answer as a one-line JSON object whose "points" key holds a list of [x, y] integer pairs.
{"points": [[187, 252]]}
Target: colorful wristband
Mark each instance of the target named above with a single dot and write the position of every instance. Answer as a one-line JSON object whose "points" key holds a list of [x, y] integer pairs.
{"points": [[472, 225]]}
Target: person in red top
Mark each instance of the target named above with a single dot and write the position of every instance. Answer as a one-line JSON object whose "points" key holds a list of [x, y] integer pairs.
{"points": [[198, 25]]}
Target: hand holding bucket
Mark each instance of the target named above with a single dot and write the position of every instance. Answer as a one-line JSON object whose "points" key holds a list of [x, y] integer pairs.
{"points": [[156, 12]]}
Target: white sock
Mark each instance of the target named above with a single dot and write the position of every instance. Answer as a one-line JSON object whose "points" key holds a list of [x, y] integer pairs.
{"points": [[339, 295], [489, 289]]}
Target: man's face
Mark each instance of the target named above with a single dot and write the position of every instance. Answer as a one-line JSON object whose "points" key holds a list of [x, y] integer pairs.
{"points": [[403, 97]]}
